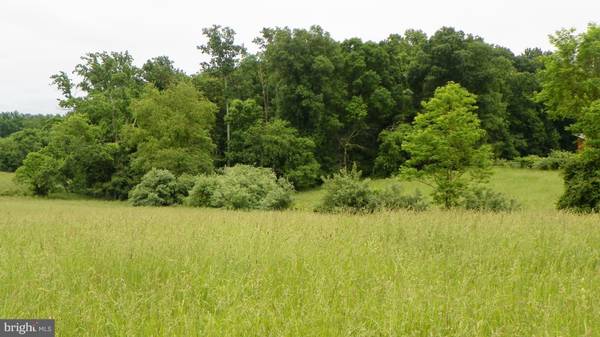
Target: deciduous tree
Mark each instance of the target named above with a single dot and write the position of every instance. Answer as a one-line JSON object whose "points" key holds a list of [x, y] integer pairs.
{"points": [[446, 145]]}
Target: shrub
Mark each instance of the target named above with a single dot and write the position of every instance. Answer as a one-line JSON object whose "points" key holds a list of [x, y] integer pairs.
{"points": [[201, 194], [555, 160], [242, 187], [501, 162], [582, 183], [481, 198], [279, 197], [391, 198], [528, 161], [184, 185], [346, 192], [40, 173], [157, 188]]}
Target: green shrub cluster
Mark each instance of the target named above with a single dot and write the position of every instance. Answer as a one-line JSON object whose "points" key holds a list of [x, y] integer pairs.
{"points": [[554, 161], [481, 198], [157, 188], [392, 198], [238, 187], [346, 192], [582, 183], [526, 162], [39, 173], [241, 187]]}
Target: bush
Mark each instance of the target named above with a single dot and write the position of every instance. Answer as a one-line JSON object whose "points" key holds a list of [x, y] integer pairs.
{"points": [[391, 198], [157, 188], [242, 187], [201, 194], [555, 160], [527, 161], [501, 162], [346, 192], [40, 173], [582, 183], [184, 185], [482, 198]]}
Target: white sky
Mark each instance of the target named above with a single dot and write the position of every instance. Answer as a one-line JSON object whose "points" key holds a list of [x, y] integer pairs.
{"points": [[41, 37]]}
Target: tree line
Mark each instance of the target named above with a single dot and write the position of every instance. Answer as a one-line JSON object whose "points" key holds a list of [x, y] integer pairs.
{"points": [[304, 105]]}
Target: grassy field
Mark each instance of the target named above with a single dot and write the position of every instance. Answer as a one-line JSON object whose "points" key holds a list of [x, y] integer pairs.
{"points": [[108, 269]]}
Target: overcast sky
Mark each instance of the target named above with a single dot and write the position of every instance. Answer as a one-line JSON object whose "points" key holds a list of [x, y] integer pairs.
{"points": [[41, 37]]}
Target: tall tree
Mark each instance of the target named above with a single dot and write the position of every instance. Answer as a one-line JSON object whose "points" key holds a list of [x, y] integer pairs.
{"points": [[161, 72], [571, 89], [10, 122], [110, 81], [14, 148], [571, 78], [304, 67], [172, 130], [531, 128], [225, 56], [483, 69], [446, 145], [86, 161], [274, 144]]}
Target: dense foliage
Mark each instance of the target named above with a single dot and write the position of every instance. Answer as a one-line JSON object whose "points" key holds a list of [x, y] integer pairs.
{"points": [[392, 198], [345, 191], [554, 161], [274, 144], [21, 134], [481, 198], [571, 89], [242, 187], [304, 105], [11, 122], [391, 155], [172, 130], [39, 173], [582, 183], [157, 188], [14, 148], [446, 145]]}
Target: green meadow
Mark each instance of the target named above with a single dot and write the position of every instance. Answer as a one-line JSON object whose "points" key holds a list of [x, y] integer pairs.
{"points": [[104, 268]]}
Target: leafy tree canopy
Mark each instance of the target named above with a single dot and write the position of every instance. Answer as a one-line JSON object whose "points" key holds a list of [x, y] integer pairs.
{"points": [[446, 145], [172, 129]]}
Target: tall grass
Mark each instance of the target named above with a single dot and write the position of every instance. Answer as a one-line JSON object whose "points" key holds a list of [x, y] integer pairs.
{"points": [[107, 269]]}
